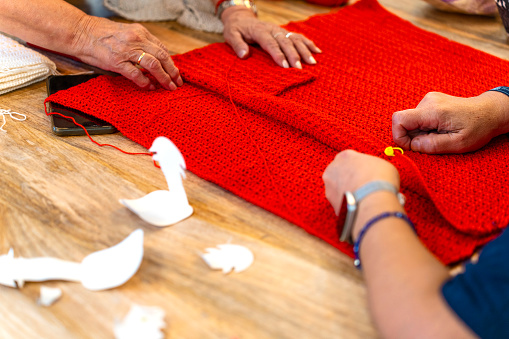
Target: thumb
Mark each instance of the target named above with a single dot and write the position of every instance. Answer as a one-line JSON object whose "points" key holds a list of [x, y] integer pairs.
{"points": [[235, 40], [435, 143]]}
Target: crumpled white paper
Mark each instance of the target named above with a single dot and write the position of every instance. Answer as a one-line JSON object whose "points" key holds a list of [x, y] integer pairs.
{"points": [[228, 257], [164, 208], [141, 322]]}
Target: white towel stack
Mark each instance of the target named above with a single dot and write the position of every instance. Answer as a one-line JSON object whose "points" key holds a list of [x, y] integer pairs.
{"points": [[20, 66]]}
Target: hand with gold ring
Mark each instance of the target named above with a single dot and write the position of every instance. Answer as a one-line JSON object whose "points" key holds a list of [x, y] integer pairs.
{"points": [[242, 27], [120, 47]]}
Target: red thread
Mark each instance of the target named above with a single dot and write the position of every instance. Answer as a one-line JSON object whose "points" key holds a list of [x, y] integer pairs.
{"points": [[95, 142]]}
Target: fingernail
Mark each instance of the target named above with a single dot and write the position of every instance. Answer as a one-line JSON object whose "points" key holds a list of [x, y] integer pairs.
{"points": [[172, 86], [242, 53], [415, 145], [312, 60], [151, 87], [298, 65], [285, 64], [318, 50], [180, 82]]}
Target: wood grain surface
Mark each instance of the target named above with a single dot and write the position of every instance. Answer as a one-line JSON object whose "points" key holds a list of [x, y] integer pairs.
{"points": [[59, 197]]}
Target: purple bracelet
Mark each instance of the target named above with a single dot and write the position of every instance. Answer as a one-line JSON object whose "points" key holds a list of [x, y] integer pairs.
{"points": [[356, 246]]}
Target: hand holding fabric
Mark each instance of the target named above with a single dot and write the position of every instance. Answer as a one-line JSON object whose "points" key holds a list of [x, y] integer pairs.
{"points": [[242, 27], [351, 170], [119, 47], [443, 123]]}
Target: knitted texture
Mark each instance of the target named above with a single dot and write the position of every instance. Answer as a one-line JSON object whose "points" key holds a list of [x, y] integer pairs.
{"points": [[21, 66], [286, 125]]}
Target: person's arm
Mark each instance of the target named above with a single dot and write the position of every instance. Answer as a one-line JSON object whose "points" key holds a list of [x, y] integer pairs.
{"points": [[446, 124], [117, 47], [403, 278], [242, 27]]}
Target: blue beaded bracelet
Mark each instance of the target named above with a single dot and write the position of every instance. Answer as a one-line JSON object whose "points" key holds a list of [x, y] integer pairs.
{"points": [[501, 89], [356, 246]]}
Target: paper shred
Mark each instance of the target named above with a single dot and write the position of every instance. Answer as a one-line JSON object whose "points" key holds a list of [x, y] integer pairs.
{"points": [[228, 257], [141, 322], [49, 296]]}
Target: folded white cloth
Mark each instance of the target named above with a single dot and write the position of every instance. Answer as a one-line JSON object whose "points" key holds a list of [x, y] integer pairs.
{"points": [[196, 14], [483, 7], [20, 66]]}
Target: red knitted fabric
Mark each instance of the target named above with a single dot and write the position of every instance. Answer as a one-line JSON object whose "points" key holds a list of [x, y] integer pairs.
{"points": [[287, 125]]}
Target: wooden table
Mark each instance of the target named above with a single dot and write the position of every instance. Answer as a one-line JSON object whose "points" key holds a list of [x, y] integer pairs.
{"points": [[59, 197]]}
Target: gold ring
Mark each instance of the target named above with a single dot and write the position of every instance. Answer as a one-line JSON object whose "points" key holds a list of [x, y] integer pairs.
{"points": [[288, 34], [141, 57]]}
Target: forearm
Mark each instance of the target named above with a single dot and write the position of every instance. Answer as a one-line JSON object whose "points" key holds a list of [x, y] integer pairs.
{"points": [[53, 24], [403, 279]]}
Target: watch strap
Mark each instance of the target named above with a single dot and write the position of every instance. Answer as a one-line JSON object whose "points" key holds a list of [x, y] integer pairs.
{"points": [[353, 200], [222, 5]]}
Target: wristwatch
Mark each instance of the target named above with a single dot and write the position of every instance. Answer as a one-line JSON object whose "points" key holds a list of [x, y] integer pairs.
{"points": [[229, 3], [353, 200]]}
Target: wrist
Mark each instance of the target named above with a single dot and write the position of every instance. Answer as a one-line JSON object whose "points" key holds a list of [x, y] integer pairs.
{"points": [[236, 12], [498, 106], [81, 35], [374, 204]]}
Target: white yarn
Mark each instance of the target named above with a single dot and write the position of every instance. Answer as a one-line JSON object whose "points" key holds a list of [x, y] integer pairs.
{"points": [[21, 66], [196, 14], [14, 115]]}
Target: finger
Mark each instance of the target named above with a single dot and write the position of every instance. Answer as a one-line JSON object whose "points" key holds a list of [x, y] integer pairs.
{"points": [[134, 74], [287, 46], [311, 45], [166, 61], [271, 46], [237, 43], [304, 52], [159, 51], [405, 122], [435, 143], [332, 193], [154, 67]]}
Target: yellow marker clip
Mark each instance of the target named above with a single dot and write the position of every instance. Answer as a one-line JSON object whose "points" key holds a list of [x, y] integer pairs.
{"points": [[389, 151]]}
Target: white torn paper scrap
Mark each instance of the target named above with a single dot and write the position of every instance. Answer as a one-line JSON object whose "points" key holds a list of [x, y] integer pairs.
{"points": [[164, 208], [49, 296], [228, 257], [100, 270], [141, 322]]}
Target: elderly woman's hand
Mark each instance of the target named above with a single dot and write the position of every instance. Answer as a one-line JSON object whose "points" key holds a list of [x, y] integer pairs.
{"points": [[445, 124], [121, 47], [351, 170], [241, 27]]}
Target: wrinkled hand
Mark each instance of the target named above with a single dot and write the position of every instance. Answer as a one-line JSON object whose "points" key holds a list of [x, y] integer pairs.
{"points": [[117, 47], [351, 170], [241, 27], [446, 124]]}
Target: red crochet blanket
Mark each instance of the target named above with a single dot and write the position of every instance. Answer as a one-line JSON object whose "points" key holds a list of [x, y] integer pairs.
{"points": [[286, 125]]}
